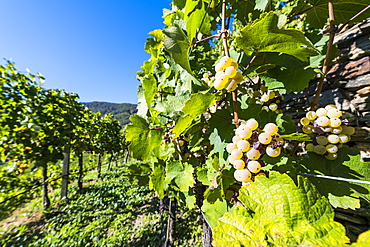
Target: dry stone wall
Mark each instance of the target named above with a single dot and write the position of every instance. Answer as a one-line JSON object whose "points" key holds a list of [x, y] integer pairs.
{"points": [[347, 85]]}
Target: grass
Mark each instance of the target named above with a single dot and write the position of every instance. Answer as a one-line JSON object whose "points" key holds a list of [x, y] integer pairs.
{"points": [[108, 212]]}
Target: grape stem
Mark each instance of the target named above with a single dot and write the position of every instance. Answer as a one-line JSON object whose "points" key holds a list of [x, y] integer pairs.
{"points": [[327, 57]]}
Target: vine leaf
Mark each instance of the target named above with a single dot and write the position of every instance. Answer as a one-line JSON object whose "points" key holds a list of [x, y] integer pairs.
{"points": [[280, 214], [181, 174], [196, 18], [317, 11], [157, 179], [347, 165], [178, 45], [265, 36], [196, 105], [144, 141], [214, 211], [150, 88]]}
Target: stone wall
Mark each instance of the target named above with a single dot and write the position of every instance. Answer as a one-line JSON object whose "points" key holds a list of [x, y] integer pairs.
{"points": [[347, 86]]}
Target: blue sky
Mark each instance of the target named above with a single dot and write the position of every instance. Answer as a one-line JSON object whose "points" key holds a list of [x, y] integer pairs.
{"points": [[92, 48]]}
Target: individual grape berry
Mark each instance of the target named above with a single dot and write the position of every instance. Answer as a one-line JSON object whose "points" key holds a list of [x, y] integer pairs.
{"points": [[231, 159], [243, 145], [336, 130], [311, 115], [252, 124], [232, 86], [322, 121], [335, 122], [273, 152], [271, 128], [350, 130], [243, 175], [264, 98], [236, 154], [305, 121], [319, 149], [322, 140], [221, 81], [334, 113], [265, 108], [254, 166], [271, 94], [343, 138], [265, 138], [239, 164], [273, 107], [333, 139], [238, 77], [307, 129], [309, 147], [224, 62], [244, 132], [344, 129], [328, 107], [253, 154], [230, 147], [331, 148], [236, 139], [230, 71], [331, 156], [321, 112], [326, 129]]}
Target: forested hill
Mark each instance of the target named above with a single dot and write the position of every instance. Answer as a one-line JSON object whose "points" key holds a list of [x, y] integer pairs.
{"points": [[121, 112]]}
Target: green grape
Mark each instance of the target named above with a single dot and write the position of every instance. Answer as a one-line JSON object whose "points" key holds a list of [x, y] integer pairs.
{"points": [[336, 130], [305, 121], [264, 98], [224, 62], [271, 128], [344, 129], [236, 154], [334, 113], [221, 82], [310, 147], [232, 86], [319, 149], [231, 159], [271, 94], [235, 65], [243, 145], [273, 152], [253, 154], [350, 130], [254, 166], [331, 156], [239, 164], [265, 138], [252, 124], [343, 138], [335, 122], [311, 115], [307, 129], [321, 112], [243, 175], [331, 148], [333, 139], [273, 107], [322, 121], [238, 77], [265, 108], [244, 132], [321, 140], [230, 147]]}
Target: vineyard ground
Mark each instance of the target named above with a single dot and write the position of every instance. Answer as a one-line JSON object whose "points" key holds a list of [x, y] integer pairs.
{"points": [[108, 212]]}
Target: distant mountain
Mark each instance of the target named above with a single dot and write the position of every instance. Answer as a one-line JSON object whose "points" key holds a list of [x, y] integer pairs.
{"points": [[121, 112]]}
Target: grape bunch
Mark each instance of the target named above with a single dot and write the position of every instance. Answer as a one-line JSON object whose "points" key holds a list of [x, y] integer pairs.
{"points": [[271, 100], [249, 144], [227, 77], [328, 129]]}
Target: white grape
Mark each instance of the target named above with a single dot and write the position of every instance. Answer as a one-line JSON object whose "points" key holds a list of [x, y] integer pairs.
{"points": [[252, 124], [253, 154], [305, 121], [335, 122], [331, 156], [264, 98], [236, 153], [244, 132], [230, 71], [311, 115], [231, 159], [273, 107], [236, 139], [243, 145], [321, 112], [322, 121], [273, 152], [334, 113], [232, 86], [230, 147], [271, 128], [336, 130], [239, 164], [224, 62], [307, 129], [343, 138], [243, 175], [265, 138], [254, 166], [328, 107], [333, 139], [331, 148]]}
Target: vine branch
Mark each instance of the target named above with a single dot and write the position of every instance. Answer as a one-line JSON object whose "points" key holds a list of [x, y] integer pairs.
{"points": [[328, 55]]}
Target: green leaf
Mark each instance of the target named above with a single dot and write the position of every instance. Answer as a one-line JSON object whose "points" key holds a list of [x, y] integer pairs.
{"points": [[280, 214], [363, 240], [196, 18], [317, 11], [178, 45], [149, 84], [196, 105], [143, 141], [214, 211], [157, 179], [265, 36], [262, 4], [347, 165], [181, 174]]}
